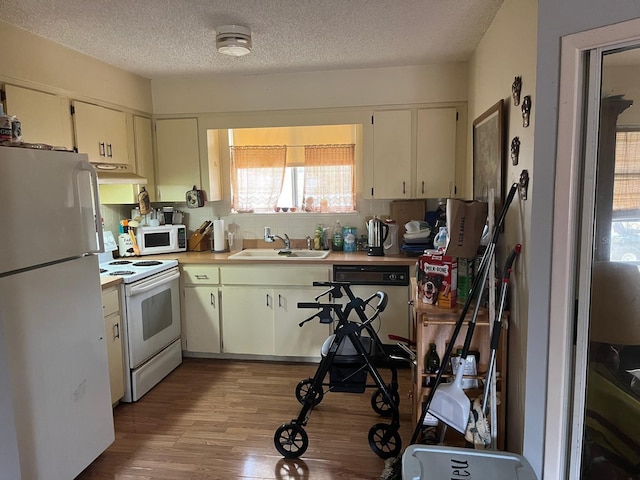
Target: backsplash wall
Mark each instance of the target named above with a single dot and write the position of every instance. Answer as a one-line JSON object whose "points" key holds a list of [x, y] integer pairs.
{"points": [[295, 224]]}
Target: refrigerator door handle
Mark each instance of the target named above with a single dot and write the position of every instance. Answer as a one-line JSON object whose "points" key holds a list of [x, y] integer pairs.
{"points": [[96, 206]]}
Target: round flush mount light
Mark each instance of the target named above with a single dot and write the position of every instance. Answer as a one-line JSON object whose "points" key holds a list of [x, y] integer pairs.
{"points": [[233, 40]]}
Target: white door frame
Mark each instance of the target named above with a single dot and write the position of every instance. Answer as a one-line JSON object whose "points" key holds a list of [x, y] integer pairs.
{"points": [[558, 454]]}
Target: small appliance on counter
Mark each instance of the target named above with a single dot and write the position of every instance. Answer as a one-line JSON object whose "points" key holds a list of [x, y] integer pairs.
{"points": [[378, 232], [161, 239]]}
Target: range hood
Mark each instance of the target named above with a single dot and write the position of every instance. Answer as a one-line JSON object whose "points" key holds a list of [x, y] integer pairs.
{"points": [[114, 174]]}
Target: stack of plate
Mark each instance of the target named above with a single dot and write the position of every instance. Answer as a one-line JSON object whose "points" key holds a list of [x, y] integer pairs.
{"points": [[417, 238]]}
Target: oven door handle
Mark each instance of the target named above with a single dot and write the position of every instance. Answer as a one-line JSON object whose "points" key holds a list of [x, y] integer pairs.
{"points": [[149, 286]]}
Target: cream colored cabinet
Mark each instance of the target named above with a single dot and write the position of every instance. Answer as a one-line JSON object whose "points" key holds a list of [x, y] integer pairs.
{"points": [[392, 154], [248, 320], [413, 165], [436, 153], [201, 309], [143, 155], [113, 337], [260, 312], [177, 158], [290, 339], [45, 117], [101, 133]]}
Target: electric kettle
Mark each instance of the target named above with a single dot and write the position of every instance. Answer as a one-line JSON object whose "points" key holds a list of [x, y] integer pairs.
{"points": [[378, 232]]}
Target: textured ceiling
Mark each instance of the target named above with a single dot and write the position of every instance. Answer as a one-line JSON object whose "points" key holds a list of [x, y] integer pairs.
{"points": [[156, 38]]}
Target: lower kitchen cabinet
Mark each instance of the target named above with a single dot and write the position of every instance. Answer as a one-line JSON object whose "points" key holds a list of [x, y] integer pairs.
{"points": [[248, 320], [260, 313], [201, 309], [112, 327]]}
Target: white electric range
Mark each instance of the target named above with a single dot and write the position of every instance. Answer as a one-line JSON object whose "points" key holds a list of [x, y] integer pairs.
{"points": [[150, 293]]}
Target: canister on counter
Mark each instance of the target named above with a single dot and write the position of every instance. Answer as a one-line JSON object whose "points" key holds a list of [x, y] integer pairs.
{"points": [[349, 235]]}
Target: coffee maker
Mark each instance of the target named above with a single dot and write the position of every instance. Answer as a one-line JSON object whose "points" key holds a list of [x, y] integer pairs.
{"points": [[378, 232]]}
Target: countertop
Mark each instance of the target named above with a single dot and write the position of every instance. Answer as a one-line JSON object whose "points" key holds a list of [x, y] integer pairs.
{"points": [[106, 282], [356, 258]]}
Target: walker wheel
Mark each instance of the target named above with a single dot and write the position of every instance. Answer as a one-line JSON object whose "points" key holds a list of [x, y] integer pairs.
{"points": [[385, 440], [380, 404], [291, 440], [303, 390]]}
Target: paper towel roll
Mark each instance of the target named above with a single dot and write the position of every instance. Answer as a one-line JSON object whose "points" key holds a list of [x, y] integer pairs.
{"points": [[218, 235]]}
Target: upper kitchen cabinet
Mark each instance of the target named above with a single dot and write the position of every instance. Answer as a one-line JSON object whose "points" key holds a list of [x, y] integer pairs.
{"points": [[141, 130], [177, 159], [436, 153], [414, 154], [45, 117], [101, 133], [391, 154]]}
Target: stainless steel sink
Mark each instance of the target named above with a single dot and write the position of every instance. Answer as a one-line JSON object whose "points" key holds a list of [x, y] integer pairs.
{"points": [[270, 254]]}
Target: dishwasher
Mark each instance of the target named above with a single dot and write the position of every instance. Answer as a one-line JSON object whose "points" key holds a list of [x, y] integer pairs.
{"points": [[391, 279]]}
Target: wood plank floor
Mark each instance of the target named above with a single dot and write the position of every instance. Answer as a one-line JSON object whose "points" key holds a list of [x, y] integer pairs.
{"points": [[215, 419]]}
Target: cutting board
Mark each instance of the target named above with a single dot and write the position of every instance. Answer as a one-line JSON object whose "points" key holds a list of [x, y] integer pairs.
{"points": [[403, 211]]}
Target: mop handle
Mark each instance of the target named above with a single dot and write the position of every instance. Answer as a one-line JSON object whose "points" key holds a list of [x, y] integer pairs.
{"points": [[497, 326], [484, 266]]}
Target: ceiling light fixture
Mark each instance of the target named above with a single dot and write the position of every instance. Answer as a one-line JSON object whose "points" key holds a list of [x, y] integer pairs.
{"points": [[233, 40]]}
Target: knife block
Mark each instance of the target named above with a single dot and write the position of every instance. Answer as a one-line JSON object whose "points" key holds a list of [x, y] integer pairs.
{"points": [[198, 242]]}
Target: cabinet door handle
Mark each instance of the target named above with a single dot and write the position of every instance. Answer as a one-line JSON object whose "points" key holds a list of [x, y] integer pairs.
{"points": [[116, 331], [202, 277], [404, 188], [268, 301], [109, 150], [279, 301], [101, 149], [213, 300], [423, 187]]}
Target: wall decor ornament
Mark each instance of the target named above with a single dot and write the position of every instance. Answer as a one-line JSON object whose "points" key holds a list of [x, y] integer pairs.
{"points": [[523, 187], [526, 110], [516, 87], [515, 150], [488, 155]]}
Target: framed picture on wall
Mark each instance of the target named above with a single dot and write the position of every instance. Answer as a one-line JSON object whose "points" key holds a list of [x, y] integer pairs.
{"points": [[488, 155]]}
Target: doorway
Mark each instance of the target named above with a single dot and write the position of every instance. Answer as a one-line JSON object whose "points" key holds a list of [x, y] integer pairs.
{"points": [[598, 294]]}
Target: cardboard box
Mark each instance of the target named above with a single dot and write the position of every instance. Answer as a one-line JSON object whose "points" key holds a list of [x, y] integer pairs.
{"points": [[437, 279]]}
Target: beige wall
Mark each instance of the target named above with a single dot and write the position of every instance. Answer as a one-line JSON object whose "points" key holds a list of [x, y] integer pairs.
{"points": [[32, 61], [330, 89], [509, 49]]}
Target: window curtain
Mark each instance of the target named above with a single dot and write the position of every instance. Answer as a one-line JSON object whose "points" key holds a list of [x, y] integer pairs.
{"points": [[329, 175], [626, 186], [257, 173]]}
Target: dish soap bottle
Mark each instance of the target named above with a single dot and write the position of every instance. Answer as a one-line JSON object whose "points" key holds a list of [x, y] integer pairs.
{"points": [[441, 239], [432, 364], [337, 237]]}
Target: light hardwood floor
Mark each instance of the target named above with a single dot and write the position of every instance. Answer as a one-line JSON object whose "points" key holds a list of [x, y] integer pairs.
{"points": [[215, 419]]}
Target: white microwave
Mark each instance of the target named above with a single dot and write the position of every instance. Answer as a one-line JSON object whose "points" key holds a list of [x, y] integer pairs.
{"points": [[161, 239]]}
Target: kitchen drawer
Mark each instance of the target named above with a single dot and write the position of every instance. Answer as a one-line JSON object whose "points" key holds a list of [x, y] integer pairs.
{"points": [[200, 275], [270, 275], [110, 301]]}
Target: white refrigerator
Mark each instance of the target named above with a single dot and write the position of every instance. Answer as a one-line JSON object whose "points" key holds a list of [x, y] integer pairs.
{"points": [[55, 402]]}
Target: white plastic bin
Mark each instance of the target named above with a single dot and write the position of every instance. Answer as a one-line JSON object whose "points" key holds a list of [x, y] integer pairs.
{"points": [[435, 462]]}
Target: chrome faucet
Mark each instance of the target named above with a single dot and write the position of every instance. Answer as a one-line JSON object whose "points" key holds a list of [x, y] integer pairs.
{"points": [[268, 237]]}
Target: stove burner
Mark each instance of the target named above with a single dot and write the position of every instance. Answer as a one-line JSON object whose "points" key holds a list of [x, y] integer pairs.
{"points": [[103, 270], [147, 263], [121, 273], [121, 262]]}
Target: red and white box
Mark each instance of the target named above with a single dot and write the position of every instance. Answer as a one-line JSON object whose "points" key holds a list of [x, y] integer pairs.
{"points": [[437, 278]]}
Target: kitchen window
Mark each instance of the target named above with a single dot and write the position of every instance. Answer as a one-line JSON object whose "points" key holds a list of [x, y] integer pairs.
{"points": [[309, 169]]}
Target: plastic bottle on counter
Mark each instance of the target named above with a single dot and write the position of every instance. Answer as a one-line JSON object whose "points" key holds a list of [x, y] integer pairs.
{"points": [[441, 239], [337, 237]]}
